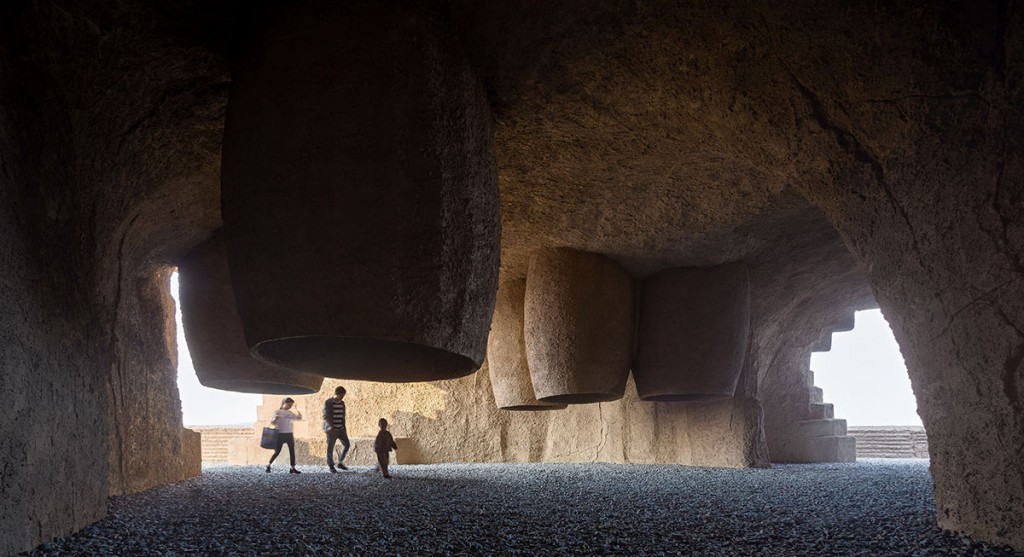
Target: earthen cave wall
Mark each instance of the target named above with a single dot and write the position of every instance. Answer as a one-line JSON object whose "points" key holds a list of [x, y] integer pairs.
{"points": [[458, 421], [110, 123], [50, 379], [925, 189], [95, 205], [148, 445]]}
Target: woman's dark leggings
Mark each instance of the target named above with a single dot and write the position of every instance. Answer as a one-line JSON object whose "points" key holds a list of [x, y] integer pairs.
{"points": [[282, 440]]}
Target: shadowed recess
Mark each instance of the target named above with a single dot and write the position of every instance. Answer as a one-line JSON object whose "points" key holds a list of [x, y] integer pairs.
{"points": [[371, 359]]}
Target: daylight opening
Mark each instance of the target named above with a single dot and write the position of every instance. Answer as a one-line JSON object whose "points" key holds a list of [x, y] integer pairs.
{"points": [[864, 376], [200, 405]]}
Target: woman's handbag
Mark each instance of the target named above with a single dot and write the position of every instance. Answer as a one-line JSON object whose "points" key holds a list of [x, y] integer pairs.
{"points": [[269, 439]]}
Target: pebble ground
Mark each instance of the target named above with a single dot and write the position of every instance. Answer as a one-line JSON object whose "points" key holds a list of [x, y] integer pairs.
{"points": [[871, 508]]}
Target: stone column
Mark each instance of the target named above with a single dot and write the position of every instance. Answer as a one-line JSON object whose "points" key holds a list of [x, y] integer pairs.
{"points": [[694, 330], [506, 353], [360, 194], [578, 326], [214, 332]]}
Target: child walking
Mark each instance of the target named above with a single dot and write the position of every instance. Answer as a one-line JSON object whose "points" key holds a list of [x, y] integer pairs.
{"points": [[382, 445]]}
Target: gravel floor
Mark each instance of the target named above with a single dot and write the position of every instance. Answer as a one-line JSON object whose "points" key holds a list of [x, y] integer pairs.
{"points": [[873, 507]]}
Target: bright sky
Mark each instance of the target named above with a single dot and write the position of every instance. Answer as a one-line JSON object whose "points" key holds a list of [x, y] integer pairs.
{"points": [[202, 405], [863, 376]]}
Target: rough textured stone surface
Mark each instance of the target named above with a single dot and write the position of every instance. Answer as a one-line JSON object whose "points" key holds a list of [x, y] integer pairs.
{"points": [[693, 333], [458, 421], [506, 352], [923, 183], [214, 333], [360, 195], [107, 172], [190, 460], [49, 377], [578, 326], [215, 440], [890, 441], [850, 156], [144, 402], [788, 325]]}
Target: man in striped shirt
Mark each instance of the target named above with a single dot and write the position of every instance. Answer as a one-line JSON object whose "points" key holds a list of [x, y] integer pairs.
{"points": [[334, 425]]}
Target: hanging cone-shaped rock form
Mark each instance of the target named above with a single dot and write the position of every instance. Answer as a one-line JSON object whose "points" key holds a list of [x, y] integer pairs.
{"points": [[214, 332], [506, 353], [694, 328], [360, 195], [578, 324]]}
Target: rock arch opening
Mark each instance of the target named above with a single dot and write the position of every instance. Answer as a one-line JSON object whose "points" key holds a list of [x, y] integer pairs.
{"points": [[864, 376], [861, 373], [202, 405], [657, 135]]}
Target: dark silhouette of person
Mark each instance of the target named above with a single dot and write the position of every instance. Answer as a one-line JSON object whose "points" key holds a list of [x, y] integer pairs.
{"points": [[334, 425], [282, 420], [382, 445]]}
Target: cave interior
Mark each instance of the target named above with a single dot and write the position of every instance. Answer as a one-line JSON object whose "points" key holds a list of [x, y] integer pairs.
{"points": [[659, 208]]}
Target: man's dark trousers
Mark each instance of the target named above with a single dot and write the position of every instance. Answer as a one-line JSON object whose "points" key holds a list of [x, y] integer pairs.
{"points": [[333, 436]]}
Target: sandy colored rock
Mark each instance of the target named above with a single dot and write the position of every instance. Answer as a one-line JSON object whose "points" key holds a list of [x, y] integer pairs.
{"points": [[663, 134], [360, 195], [693, 333], [145, 389], [506, 353], [191, 456], [215, 440], [214, 334], [457, 421], [578, 326]]}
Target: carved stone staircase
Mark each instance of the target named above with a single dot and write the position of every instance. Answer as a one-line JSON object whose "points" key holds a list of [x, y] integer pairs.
{"points": [[820, 437]]}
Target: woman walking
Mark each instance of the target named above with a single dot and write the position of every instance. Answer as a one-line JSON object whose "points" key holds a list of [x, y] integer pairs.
{"points": [[283, 419]]}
